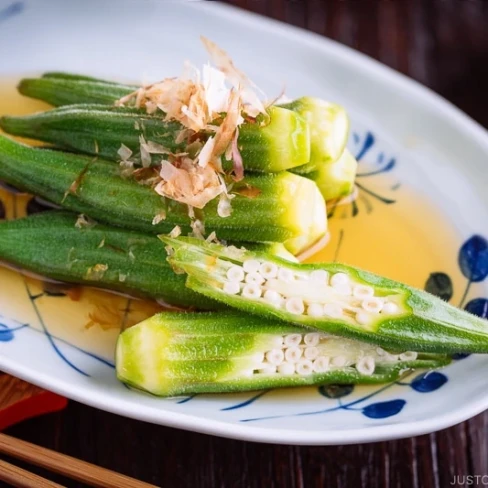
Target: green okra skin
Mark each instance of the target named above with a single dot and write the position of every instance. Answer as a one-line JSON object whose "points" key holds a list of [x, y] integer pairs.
{"points": [[336, 180], [98, 130], [329, 131], [279, 143], [332, 297], [64, 89], [284, 208], [61, 75], [50, 244], [216, 352]]}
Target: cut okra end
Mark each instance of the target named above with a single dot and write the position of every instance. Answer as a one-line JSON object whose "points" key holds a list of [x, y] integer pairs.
{"points": [[336, 180], [306, 216], [329, 130], [334, 298], [180, 353]]}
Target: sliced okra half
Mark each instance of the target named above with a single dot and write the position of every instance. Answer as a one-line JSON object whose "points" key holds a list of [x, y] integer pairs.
{"points": [[182, 353], [333, 298]]}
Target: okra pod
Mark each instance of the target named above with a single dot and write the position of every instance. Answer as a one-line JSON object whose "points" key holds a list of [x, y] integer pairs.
{"points": [[280, 207], [280, 143], [65, 89], [99, 130], [60, 246], [333, 298], [183, 353]]}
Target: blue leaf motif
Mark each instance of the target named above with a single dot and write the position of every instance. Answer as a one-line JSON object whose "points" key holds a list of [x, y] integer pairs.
{"points": [[473, 258], [382, 410], [427, 382], [6, 333], [335, 391], [478, 306]]}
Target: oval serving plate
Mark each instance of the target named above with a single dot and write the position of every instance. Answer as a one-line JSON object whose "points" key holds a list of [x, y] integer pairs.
{"points": [[420, 216]]}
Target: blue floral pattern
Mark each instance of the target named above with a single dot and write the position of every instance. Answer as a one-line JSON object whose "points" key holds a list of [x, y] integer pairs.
{"points": [[370, 163]]}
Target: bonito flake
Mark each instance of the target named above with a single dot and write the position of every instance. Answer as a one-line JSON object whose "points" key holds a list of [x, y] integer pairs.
{"points": [[190, 183], [211, 106]]}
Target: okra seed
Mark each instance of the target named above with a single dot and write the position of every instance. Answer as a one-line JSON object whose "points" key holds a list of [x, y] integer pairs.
{"points": [[389, 308], [251, 265], [232, 287], [274, 298], [315, 310], [267, 369], [373, 305], [301, 275], [363, 318], [311, 339], [342, 288], [295, 305], [363, 291], [293, 354], [380, 351], [251, 290], [366, 365], [292, 340], [408, 356], [285, 275], [268, 270], [286, 368], [235, 273], [275, 356], [311, 352], [304, 367], [319, 276], [339, 361], [339, 278], [333, 310], [321, 364], [254, 277]]}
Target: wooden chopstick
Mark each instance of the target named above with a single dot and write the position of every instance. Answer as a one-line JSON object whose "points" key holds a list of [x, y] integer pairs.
{"points": [[20, 478], [66, 465]]}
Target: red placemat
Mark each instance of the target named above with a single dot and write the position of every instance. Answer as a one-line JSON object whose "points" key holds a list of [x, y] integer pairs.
{"points": [[20, 400]]}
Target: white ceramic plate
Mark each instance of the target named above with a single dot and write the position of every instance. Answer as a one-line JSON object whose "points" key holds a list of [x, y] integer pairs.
{"points": [[415, 149]]}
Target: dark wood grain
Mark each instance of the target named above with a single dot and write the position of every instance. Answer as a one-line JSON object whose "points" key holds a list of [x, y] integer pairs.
{"points": [[442, 44]]}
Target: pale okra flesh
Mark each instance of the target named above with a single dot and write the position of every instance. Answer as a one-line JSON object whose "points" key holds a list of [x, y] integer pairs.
{"points": [[329, 130], [183, 353], [282, 207], [332, 298], [336, 180]]}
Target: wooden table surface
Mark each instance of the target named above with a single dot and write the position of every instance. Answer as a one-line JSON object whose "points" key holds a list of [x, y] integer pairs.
{"points": [[442, 44]]}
